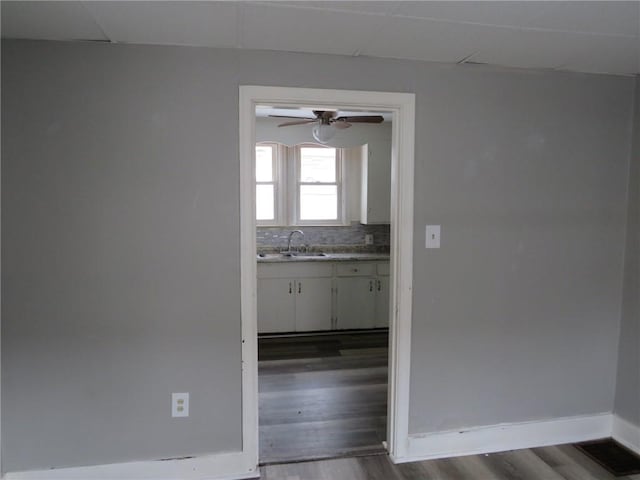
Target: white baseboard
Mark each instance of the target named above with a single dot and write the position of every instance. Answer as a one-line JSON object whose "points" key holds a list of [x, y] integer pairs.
{"points": [[626, 433], [225, 466], [452, 443], [508, 436]]}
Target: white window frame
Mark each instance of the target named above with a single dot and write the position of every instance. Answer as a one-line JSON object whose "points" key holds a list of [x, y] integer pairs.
{"points": [[279, 185], [286, 187], [295, 184]]}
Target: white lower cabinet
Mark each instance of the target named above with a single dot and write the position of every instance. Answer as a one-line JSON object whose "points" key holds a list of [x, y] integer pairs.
{"points": [[382, 302], [313, 304], [276, 305], [294, 297], [355, 302], [304, 296], [362, 295]]}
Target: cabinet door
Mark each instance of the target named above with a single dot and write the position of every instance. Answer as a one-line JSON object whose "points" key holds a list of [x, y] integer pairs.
{"points": [[355, 305], [313, 304], [382, 302], [376, 182], [276, 312]]}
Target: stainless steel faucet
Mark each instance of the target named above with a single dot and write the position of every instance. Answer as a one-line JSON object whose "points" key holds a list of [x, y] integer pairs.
{"points": [[291, 237]]}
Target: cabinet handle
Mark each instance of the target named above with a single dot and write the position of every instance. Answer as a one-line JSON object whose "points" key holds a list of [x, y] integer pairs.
{"points": [[371, 285], [379, 285], [290, 288], [299, 287]]}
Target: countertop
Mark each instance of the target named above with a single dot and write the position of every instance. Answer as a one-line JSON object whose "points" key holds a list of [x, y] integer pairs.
{"points": [[327, 257]]}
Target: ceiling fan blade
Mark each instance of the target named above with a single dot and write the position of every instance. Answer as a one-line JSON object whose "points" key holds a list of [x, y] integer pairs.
{"points": [[291, 116], [298, 122], [362, 119], [341, 124]]}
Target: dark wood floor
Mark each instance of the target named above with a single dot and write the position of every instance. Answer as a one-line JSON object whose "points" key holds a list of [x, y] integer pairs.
{"points": [[325, 396], [563, 462], [322, 396]]}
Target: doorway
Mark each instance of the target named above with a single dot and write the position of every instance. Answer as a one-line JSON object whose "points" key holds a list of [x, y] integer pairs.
{"points": [[402, 107]]}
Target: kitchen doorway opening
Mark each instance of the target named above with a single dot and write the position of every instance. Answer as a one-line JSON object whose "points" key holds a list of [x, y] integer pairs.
{"points": [[323, 248], [331, 343]]}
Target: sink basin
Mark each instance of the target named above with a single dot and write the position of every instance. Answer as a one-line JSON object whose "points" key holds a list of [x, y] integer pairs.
{"points": [[305, 254], [292, 255]]}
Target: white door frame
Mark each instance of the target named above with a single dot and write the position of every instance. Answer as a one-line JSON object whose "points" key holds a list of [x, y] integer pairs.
{"points": [[402, 105]]}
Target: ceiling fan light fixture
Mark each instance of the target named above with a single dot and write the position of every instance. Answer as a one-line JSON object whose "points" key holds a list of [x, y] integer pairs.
{"points": [[322, 132]]}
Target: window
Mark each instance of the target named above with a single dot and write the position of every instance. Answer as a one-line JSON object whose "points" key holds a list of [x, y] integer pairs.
{"points": [[318, 187], [265, 182], [299, 185]]}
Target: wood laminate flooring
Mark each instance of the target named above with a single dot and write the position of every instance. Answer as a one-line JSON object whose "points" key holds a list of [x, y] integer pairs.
{"points": [[562, 462], [322, 396]]}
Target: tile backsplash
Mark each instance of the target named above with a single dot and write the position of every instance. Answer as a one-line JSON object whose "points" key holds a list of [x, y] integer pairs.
{"points": [[329, 238]]}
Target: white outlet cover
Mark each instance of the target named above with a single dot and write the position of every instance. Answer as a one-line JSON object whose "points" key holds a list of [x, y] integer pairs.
{"points": [[180, 404], [432, 235]]}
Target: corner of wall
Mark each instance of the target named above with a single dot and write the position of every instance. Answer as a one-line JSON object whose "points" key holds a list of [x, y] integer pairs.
{"points": [[627, 391]]}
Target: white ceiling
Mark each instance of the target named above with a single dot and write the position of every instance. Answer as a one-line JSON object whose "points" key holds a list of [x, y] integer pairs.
{"points": [[592, 36]]}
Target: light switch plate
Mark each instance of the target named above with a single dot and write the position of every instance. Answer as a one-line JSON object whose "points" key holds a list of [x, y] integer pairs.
{"points": [[180, 404], [432, 236]]}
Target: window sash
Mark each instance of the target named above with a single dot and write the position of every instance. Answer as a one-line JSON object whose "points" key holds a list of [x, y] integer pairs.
{"points": [[286, 183], [277, 182], [340, 203]]}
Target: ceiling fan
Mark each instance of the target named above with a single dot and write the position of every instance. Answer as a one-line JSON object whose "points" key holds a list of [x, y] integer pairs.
{"points": [[327, 121]]}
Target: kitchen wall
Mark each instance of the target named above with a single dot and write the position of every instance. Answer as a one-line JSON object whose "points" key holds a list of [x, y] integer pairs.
{"points": [[342, 238], [338, 239], [120, 246], [627, 404]]}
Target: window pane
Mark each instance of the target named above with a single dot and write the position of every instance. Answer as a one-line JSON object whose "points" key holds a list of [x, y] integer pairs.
{"points": [[318, 202], [264, 163], [318, 165], [265, 202]]}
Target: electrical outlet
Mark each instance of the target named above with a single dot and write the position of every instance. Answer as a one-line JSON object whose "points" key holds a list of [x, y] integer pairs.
{"points": [[368, 239], [180, 404]]}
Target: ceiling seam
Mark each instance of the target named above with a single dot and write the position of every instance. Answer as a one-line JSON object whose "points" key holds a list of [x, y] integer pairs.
{"points": [[393, 14], [381, 24], [97, 22], [467, 58], [513, 27], [320, 9]]}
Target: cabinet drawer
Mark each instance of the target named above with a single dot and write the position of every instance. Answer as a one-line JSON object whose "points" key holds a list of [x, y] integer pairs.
{"points": [[295, 270], [355, 269], [383, 268]]}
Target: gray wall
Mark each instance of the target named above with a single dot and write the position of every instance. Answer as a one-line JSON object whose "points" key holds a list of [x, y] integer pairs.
{"points": [[627, 404], [121, 258], [517, 316], [120, 254]]}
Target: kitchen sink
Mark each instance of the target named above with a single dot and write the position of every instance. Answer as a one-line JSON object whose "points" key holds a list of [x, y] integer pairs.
{"points": [[300, 255]]}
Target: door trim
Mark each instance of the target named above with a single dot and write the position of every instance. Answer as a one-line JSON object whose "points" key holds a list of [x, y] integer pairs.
{"points": [[402, 106]]}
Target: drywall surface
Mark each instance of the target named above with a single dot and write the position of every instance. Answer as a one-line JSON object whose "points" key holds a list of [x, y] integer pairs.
{"points": [[516, 317], [627, 404], [121, 257]]}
